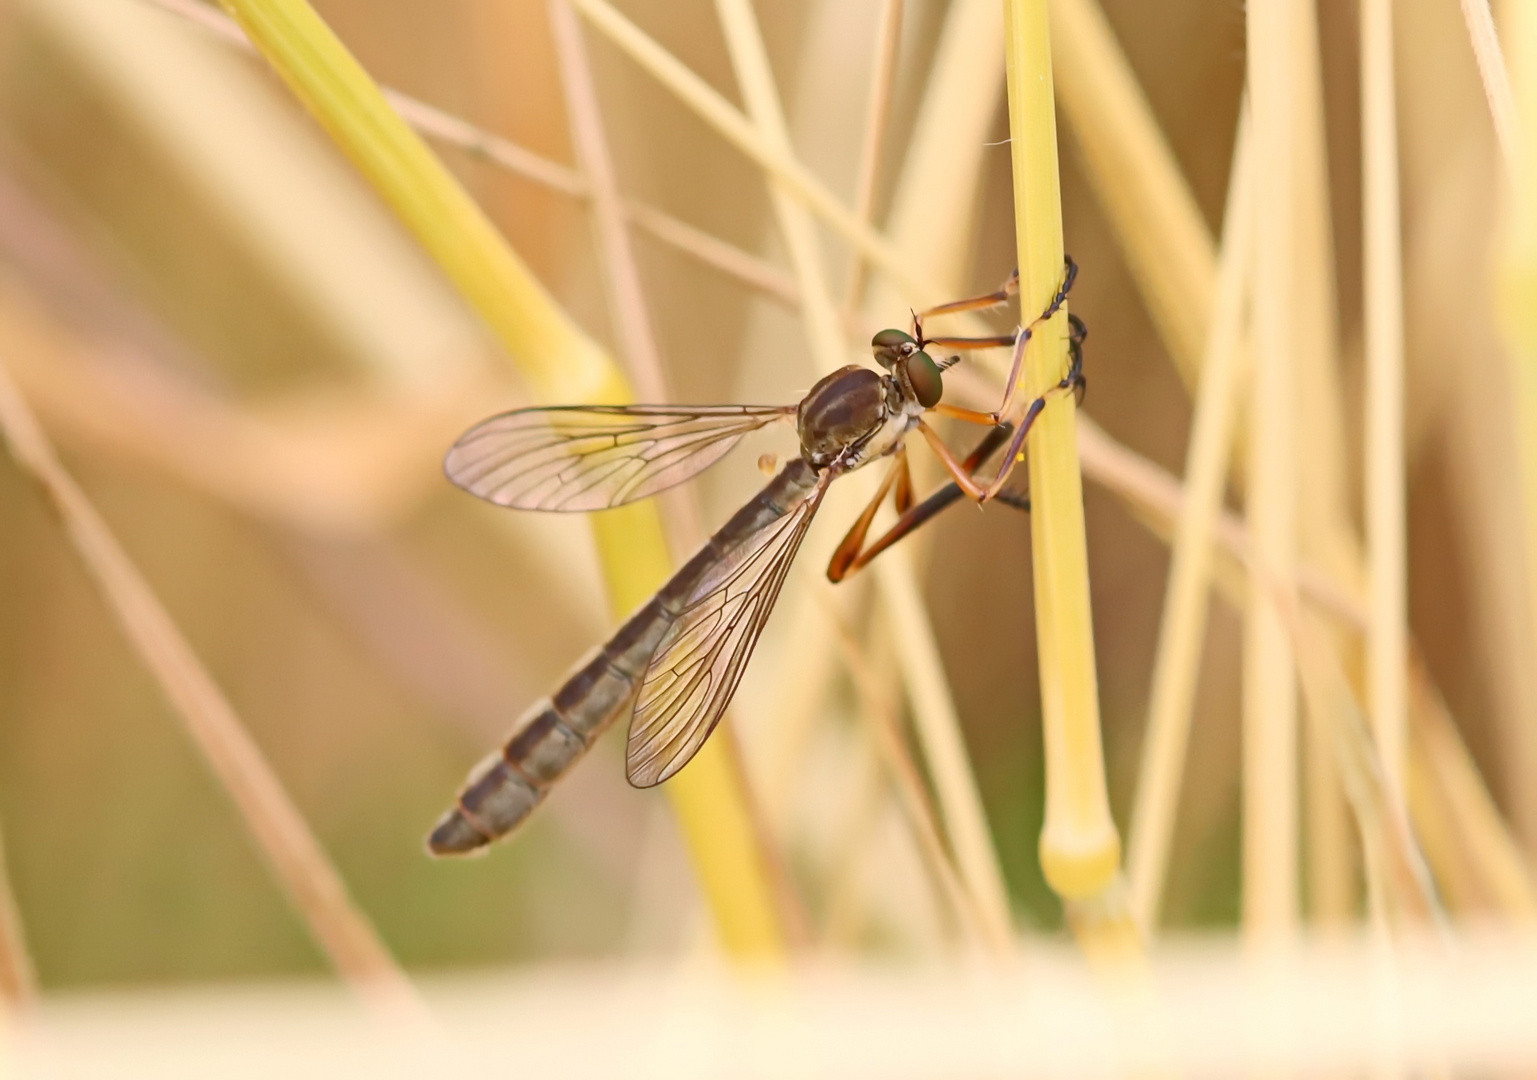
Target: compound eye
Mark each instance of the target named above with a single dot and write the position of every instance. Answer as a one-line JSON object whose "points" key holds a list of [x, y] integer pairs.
{"points": [[923, 374], [889, 346]]}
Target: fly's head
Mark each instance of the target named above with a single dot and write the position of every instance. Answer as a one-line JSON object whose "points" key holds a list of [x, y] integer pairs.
{"points": [[915, 370]]}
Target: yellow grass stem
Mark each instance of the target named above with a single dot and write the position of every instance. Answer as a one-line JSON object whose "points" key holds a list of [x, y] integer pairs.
{"points": [[1137, 180], [1080, 849], [296, 857], [1177, 661], [18, 978], [1387, 639], [933, 705], [1496, 79], [561, 364], [1270, 691], [723, 786]]}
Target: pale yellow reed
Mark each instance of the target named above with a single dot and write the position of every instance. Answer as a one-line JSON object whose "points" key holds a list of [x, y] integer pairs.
{"points": [[1269, 689], [1080, 848], [1387, 639], [1137, 181], [1177, 661]]}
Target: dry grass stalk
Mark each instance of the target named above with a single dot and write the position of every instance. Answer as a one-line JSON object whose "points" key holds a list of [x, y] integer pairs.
{"points": [[1139, 184], [1080, 849], [888, 46], [1181, 633], [880, 711], [1325, 529], [749, 59], [931, 209], [933, 704], [743, 134], [1387, 639], [1478, 863], [1496, 80], [1269, 686], [299, 862], [621, 277], [714, 252], [1518, 315], [1396, 873], [18, 977]]}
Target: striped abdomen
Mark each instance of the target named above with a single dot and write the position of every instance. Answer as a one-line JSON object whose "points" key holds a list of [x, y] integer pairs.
{"points": [[546, 741]]}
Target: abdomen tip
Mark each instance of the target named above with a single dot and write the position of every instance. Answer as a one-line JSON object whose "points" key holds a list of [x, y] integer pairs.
{"points": [[453, 835]]}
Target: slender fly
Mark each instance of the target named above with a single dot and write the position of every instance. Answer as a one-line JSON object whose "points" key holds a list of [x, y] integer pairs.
{"points": [[674, 665]]}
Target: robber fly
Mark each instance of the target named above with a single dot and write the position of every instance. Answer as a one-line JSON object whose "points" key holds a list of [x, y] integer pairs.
{"points": [[673, 666]]}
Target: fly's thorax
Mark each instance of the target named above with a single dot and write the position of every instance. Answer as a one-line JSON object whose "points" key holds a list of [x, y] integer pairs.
{"points": [[842, 411]]}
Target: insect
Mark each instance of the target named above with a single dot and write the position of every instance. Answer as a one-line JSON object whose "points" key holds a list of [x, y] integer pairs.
{"points": [[673, 666]]}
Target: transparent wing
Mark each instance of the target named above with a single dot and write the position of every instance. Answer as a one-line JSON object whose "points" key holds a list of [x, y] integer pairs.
{"points": [[691, 679], [591, 457]]}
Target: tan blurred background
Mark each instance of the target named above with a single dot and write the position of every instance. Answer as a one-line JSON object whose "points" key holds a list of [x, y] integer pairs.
{"points": [[182, 253]]}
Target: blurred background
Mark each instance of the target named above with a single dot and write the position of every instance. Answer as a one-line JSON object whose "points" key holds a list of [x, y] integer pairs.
{"points": [[253, 372]]}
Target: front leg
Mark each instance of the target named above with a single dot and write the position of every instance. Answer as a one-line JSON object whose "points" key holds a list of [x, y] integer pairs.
{"points": [[922, 512], [848, 548]]}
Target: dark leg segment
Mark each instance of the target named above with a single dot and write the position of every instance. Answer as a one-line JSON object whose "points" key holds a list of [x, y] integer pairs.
{"points": [[928, 508]]}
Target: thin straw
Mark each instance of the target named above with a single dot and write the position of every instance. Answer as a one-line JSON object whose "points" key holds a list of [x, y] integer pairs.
{"points": [[296, 857], [729, 122], [879, 710], [888, 44], [1270, 690], [1496, 79], [1177, 662], [749, 59], [1137, 180], [1387, 639]]}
